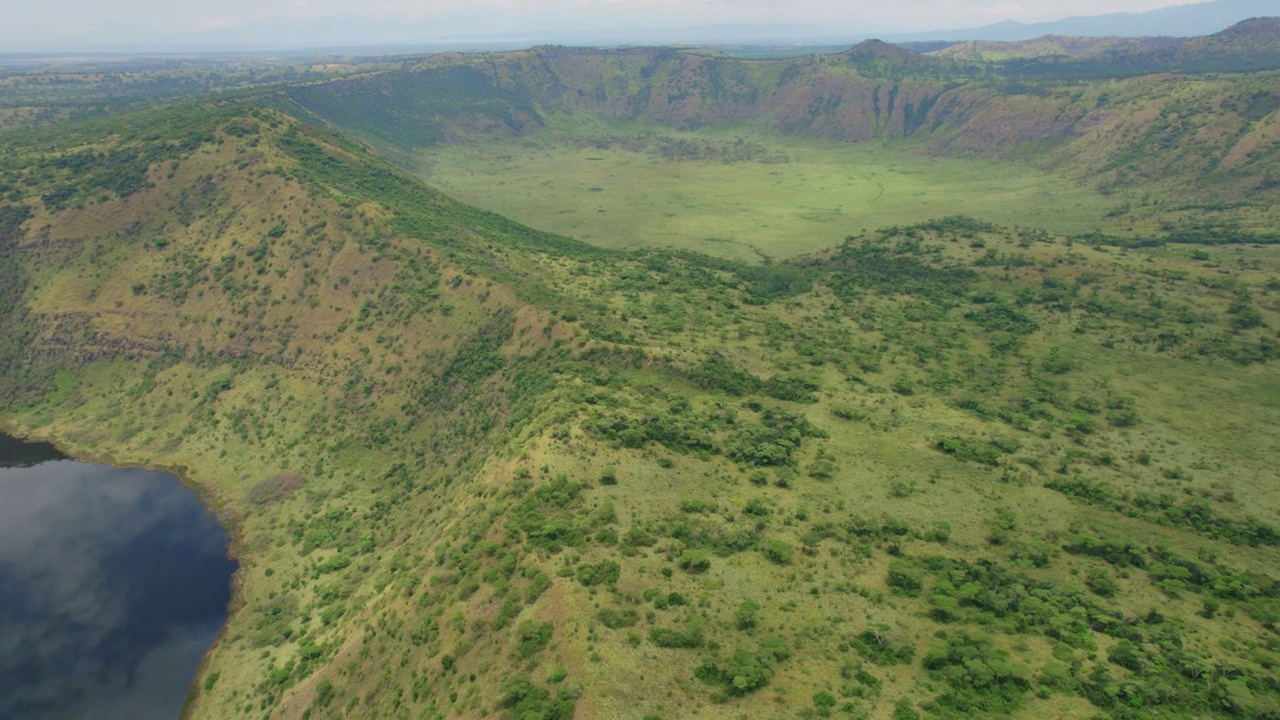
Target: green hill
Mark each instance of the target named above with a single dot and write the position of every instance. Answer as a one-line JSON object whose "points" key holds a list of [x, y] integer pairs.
{"points": [[1118, 122], [948, 468], [473, 469], [1049, 46]]}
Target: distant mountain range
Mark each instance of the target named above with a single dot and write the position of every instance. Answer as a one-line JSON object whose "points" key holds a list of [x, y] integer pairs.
{"points": [[1248, 46], [1177, 21]]}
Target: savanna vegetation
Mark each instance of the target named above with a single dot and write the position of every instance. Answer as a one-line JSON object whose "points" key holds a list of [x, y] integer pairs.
{"points": [[953, 465]]}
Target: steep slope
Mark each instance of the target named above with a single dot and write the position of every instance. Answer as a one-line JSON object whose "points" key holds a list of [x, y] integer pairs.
{"points": [[1204, 137], [477, 470], [266, 324], [848, 96]]}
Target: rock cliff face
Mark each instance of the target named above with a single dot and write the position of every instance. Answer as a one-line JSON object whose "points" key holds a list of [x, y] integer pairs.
{"points": [[1107, 119]]}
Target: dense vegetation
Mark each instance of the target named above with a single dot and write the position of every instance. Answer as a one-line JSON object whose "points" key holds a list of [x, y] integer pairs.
{"points": [[948, 468]]}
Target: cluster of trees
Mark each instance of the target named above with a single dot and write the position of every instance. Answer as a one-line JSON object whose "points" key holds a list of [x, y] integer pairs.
{"points": [[1166, 509]]}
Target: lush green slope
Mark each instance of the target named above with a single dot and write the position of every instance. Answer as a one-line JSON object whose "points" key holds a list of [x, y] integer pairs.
{"points": [[476, 470]]}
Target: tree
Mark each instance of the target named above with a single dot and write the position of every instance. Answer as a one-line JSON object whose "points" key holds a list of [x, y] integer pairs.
{"points": [[904, 710], [780, 552], [746, 615], [694, 561]]}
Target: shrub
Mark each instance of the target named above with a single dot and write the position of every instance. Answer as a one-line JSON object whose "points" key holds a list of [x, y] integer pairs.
{"points": [[717, 373], [1123, 417], [845, 411], [779, 552], [747, 614], [533, 637], [695, 561], [526, 700], [970, 450], [822, 469], [690, 637], [615, 619], [324, 692], [1102, 584], [880, 645], [759, 507], [904, 710], [939, 533], [606, 572], [792, 389], [982, 679], [903, 581]]}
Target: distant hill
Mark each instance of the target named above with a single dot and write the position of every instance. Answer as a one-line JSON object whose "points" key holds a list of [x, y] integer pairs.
{"points": [[1097, 117], [1249, 45], [1177, 21], [1046, 46]]}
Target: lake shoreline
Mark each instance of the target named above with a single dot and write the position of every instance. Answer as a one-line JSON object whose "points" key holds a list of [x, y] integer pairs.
{"points": [[223, 512]]}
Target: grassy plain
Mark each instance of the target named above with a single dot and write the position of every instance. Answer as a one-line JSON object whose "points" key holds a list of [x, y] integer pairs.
{"points": [[787, 197]]}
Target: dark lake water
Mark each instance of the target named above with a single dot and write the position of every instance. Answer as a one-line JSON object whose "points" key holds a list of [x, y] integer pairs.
{"points": [[113, 584]]}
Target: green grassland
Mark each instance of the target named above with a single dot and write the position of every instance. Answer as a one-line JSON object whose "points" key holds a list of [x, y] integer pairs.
{"points": [[944, 468], [741, 195]]}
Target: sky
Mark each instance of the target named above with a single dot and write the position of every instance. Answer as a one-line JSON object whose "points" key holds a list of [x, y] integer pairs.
{"points": [[99, 24], [130, 21]]}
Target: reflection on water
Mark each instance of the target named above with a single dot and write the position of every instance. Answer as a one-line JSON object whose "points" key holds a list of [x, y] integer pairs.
{"points": [[113, 583]]}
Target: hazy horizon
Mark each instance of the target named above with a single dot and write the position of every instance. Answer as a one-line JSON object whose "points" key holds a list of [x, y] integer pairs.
{"points": [[142, 25]]}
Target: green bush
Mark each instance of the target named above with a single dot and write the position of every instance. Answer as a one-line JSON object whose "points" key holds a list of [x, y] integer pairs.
{"points": [[970, 450], [605, 572], [981, 678], [1102, 583], [792, 389], [690, 637], [532, 637], [904, 710], [717, 373], [526, 701], [882, 646], [902, 580], [779, 552], [615, 619], [747, 614], [695, 561], [746, 671], [609, 476]]}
